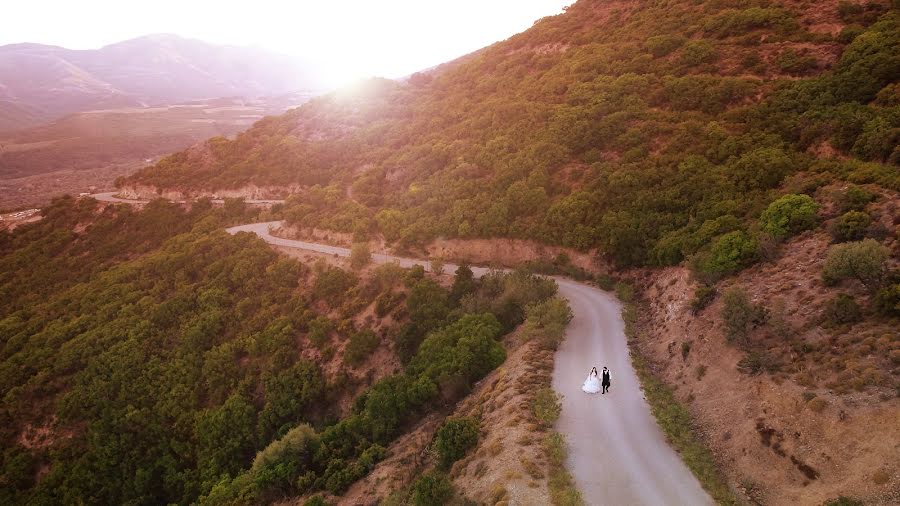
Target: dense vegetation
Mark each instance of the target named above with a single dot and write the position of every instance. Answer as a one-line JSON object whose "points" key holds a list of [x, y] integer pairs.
{"points": [[149, 357], [584, 132]]}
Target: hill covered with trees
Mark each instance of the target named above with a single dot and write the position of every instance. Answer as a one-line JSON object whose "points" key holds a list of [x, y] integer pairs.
{"points": [[148, 357], [644, 129]]}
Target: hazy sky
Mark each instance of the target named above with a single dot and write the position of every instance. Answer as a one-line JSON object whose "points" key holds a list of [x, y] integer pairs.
{"points": [[354, 38]]}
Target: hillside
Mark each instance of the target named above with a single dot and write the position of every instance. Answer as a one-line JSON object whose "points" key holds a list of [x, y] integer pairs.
{"points": [[151, 358], [559, 120], [41, 83], [737, 160]]}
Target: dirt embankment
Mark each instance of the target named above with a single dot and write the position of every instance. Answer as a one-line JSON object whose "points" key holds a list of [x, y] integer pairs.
{"points": [[512, 252], [821, 420], [492, 252], [145, 192]]}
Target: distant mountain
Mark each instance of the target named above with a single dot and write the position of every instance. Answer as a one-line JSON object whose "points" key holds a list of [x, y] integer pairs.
{"points": [[39, 83]]}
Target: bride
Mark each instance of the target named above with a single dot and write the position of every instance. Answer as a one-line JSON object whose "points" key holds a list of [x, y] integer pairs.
{"points": [[592, 383]]}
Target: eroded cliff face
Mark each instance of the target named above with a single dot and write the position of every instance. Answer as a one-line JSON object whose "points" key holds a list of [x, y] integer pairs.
{"points": [[249, 192]]}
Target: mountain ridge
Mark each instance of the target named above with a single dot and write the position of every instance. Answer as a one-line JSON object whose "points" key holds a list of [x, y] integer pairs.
{"points": [[154, 69]]}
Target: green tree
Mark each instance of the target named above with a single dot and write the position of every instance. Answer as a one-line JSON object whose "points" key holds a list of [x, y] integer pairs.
{"points": [[789, 215], [731, 252], [862, 260], [454, 439], [360, 346], [432, 489], [276, 467]]}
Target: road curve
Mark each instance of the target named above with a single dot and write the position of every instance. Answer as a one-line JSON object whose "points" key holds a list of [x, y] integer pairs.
{"points": [[617, 453]]}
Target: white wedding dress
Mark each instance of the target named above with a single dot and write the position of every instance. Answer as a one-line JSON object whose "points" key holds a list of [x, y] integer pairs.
{"points": [[592, 384]]}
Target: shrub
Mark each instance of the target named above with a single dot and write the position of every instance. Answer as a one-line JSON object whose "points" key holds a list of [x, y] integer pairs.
{"points": [[545, 406], [731, 252], [851, 226], [361, 345], [332, 285], [432, 489], [662, 45], [842, 309], [316, 500], [685, 349], [863, 260], [437, 266], [454, 439], [703, 296], [319, 330], [757, 362], [738, 22], [547, 321], [789, 215], [855, 198], [277, 465], [849, 33], [739, 315], [697, 52], [360, 256], [887, 300], [792, 62], [816, 404], [624, 291], [843, 501]]}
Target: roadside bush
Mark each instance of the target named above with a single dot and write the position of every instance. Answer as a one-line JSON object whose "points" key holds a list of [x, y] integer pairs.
{"points": [[432, 489], [739, 315], [851, 226], [842, 309], [361, 345], [862, 260], [546, 407], [547, 321], [789, 215], [360, 256], [454, 439]]}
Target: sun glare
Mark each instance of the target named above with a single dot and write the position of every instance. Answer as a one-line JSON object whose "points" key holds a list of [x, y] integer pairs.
{"points": [[341, 40]]}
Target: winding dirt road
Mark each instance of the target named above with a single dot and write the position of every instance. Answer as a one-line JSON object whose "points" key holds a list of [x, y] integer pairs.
{"points": [[617, 453]]}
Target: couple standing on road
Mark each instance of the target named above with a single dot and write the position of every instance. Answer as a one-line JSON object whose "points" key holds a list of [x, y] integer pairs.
{"points": [[596, 383]]}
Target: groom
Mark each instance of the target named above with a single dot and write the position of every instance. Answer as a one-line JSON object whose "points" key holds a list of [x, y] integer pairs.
{"points": [[605, 380]]}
